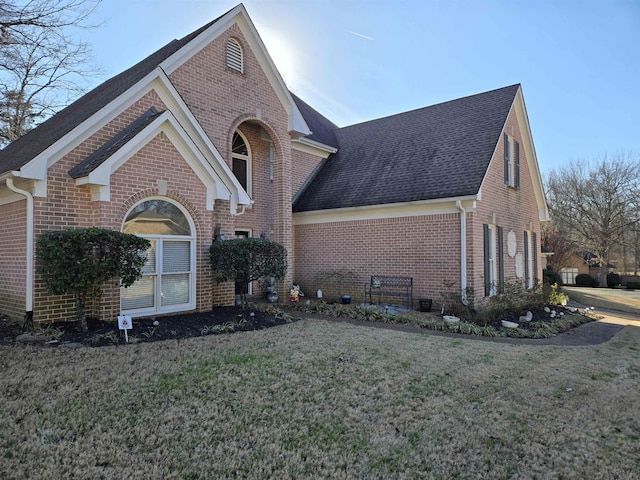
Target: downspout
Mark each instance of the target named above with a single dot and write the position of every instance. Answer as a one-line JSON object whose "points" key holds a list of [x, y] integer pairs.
{"points": [[463, 250], [28, 316]]}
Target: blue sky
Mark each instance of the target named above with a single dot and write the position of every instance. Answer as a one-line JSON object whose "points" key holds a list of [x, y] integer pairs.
{"points": [[355, 60]]}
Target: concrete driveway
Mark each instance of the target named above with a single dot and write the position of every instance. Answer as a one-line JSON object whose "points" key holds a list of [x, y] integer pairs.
{"points": [[617, 306]]}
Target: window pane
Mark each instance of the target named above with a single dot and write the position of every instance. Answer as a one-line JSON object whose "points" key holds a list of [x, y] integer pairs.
{"points": [[150, 264], [176, 256], [238, 146], [240, 171], [175, 289], [157, 217], [139, 295]]}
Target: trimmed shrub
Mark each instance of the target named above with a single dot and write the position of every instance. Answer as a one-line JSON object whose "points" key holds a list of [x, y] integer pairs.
{"points": [[550, 277], [79, 261], [613, 280], [586, 280], [633, 285]]}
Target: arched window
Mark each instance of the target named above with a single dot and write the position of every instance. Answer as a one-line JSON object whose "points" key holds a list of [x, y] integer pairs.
{"points": [[241, 157], [235, 56], [168, 281]]}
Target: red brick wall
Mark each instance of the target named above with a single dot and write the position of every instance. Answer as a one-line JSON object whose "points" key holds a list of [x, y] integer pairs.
{"points": [[426, 248], [13, 261], [302, 165], [514, 209], [223, 100]]}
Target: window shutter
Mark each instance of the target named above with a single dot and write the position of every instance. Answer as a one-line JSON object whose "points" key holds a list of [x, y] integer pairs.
{"points": [[506, 159], [500, 260], [487, 267], [526, 258], [517, 169], [535, 257]]}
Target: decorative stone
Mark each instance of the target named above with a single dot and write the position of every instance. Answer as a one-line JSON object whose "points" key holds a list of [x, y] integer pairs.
{"points": [[156, 323], [33, 338], [523, 318], [529, 316], [547, 309], [450, 319], [507, 324]]}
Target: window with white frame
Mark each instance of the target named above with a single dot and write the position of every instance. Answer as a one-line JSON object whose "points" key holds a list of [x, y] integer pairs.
{"points": [[168, 277], [569, 275], [241, 158], [511, 161], [235, 55]]}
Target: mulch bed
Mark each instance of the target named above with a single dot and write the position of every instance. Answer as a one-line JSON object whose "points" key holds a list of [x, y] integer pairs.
{"points": [[176, 327]]}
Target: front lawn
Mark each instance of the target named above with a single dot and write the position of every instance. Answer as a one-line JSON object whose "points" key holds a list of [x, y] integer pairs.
{"points": [[316, 399]]}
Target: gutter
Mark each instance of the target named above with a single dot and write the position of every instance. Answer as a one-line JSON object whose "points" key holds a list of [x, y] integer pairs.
{"points": [[463, 250], [28, 316]]}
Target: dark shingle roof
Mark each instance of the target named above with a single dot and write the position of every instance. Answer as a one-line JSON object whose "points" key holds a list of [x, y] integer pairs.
{"points": [[440, 151], [20, 152], [322, 129], [98, 157]]}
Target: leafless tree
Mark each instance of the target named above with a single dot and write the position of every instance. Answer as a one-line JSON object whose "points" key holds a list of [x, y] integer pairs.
{"points": [[558, 241], [42, 66], [596, 203]]}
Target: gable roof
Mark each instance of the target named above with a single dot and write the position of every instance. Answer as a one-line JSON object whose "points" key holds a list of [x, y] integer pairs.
{"points": [[441, 151], [20, 152], [322, 129]]}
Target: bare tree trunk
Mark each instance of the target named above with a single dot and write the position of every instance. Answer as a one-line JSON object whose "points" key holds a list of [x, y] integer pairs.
{"points": [[81, 313]]}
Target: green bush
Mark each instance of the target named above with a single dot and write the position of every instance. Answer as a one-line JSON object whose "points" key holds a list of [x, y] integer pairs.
{"points": [[78, 262], [245, 260], [613, 279], [550, 277], [586, 280], [633, 285]]}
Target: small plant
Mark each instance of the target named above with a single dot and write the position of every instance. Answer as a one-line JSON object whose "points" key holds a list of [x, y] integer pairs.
{"points": [[47, 330], [149, 333], [555, 295], [133, 339], [109, 337]]}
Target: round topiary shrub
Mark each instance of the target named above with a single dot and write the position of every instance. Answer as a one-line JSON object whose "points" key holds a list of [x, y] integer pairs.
{"points": [[550, 277], [613, 280], [586, 280]]}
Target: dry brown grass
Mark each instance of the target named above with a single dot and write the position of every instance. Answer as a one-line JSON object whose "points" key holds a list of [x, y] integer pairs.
{"points": [[316, 399]]}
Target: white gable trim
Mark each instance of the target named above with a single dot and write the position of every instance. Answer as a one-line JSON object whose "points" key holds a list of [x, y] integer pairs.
{"points": [[240, 16], [392, 210], [156, 81], [530, 152], [532, 158], [100, 179], [312, 147]]}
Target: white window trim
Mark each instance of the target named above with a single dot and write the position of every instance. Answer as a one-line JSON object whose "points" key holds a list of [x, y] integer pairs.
{"points": [[157, 308], [493, 265], [247, 158]]}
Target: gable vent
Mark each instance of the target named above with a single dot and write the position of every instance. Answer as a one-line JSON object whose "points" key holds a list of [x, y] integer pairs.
{"points": [[234, 55]]}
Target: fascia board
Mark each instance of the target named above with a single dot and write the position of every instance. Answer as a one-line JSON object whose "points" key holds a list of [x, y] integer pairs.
{"points": [[534, 169], [170, 97], [527, 143], [37, 167], [313, 147], [240, 16], [391, 210], [167, 124]]}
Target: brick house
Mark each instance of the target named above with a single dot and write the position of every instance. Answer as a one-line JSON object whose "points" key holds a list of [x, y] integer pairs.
{"points": [[202, 139]]}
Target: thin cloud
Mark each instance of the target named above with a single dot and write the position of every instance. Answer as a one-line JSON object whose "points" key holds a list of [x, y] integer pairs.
{"points": [[360, 35]]}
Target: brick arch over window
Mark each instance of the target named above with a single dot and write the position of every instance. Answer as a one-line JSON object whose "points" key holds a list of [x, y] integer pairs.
{"points": [[168, 283], [235, 126], [170, 195]]}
